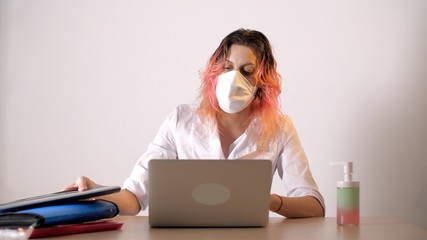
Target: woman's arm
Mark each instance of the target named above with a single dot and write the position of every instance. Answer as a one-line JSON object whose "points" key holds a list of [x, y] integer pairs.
{"points": [[303, 198], [125, 200], [296, 207]]}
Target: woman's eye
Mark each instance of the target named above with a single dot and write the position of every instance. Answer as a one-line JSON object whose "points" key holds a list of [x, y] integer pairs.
{"points": [[247, 72], [227, 69]]}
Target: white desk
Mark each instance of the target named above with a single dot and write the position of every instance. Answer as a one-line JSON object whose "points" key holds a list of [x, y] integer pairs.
{"points": [[278, 228]]}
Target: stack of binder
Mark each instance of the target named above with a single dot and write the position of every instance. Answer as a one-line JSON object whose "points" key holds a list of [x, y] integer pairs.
{"points": [[61, 213]]}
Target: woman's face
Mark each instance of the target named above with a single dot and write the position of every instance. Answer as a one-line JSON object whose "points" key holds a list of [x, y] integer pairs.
{"points": [[243, 60]]}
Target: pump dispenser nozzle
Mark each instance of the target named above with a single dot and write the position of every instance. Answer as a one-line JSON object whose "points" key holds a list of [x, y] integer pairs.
{"points": [[348, 169]]}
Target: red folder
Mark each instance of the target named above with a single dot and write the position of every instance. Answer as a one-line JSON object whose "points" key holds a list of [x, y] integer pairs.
{"points": [[76, 228]]}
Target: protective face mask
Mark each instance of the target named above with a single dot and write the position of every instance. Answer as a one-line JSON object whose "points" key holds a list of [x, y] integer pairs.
{"points": [[234, 92]]}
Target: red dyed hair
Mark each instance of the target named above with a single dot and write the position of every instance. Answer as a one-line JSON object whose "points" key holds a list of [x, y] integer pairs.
{"points": [[265, 105]]}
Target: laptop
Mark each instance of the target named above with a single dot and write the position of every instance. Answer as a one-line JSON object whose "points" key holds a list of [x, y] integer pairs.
{"points": [[209, 193]]}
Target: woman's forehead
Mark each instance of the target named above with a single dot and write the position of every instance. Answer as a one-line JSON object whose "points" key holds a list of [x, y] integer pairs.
{"points": [[242, 55]]}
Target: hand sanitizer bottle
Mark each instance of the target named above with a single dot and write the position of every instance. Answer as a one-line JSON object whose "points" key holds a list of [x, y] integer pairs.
{"points": [[347, 197]]}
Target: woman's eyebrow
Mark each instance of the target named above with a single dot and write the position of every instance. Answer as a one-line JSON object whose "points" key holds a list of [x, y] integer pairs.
{"points": [[243, 65]]}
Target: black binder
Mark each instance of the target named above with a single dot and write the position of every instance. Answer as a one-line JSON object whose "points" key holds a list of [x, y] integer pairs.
{"points": [[57, 198]]}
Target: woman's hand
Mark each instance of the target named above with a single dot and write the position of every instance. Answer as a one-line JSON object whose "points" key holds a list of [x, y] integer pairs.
{"points": [[81, 184], [125, 200]]}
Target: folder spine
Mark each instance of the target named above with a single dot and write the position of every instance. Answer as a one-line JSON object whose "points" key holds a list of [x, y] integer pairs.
{"points": [[78, 212]]}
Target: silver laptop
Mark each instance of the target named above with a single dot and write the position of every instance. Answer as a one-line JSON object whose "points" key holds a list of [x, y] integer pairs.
{"points": [[209, 193]]}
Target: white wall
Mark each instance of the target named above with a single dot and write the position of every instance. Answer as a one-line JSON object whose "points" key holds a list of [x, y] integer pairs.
{"points": [[86, 84]]}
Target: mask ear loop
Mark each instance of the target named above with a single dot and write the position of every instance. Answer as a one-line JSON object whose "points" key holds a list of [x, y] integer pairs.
{"points": [[258, 93]]}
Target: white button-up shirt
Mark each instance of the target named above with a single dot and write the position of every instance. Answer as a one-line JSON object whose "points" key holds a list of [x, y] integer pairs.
{"points": [[184, 136]]}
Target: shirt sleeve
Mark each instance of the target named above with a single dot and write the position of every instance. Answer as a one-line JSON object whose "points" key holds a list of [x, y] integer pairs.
{"points": [[293, 167], [162, 147]]}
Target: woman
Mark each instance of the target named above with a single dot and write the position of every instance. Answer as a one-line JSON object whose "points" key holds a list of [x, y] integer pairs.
{"points": [[238, 117]]}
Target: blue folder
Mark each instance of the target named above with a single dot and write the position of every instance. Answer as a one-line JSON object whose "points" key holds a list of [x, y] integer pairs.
{"points": [[71, 213]]}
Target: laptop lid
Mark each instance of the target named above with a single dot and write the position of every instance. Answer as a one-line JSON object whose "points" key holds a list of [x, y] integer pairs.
{"points": [[209, 193]]}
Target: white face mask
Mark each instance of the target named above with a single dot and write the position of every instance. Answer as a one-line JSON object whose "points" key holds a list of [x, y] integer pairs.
{"points": [[234, 92]]}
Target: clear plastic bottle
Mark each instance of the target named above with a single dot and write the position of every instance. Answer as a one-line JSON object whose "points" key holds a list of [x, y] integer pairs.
{"points": [[348, 195]]}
